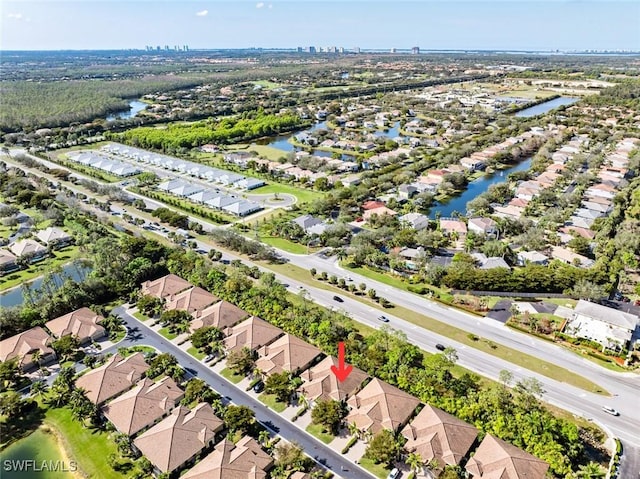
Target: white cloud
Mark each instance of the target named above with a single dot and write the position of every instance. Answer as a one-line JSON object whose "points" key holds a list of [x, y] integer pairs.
{"points": [[270, 6], [259, 4], [15, 16], [203, 13]]}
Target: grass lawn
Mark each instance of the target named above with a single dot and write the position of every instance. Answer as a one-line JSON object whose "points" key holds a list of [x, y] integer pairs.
{"points": [[377, 470], [316, 431], [268, 152], [229, 375], [303, 195], [284, 244], [122, 332], [270, 401], [167, 334], [60, 258], [78, 441], [136, 349], [196, 354], [141, 317], [530, 93]]}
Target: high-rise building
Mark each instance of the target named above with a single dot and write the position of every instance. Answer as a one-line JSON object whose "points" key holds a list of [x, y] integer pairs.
{"points": [[393, 50], [312, 49], [415, 50], [356, 50]]}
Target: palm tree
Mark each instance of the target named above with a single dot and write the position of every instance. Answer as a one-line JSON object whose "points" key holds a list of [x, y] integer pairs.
{"points": [[264, 438], [36, 357], [591, 471], [38, 389], [414, 461], [354, 430]]}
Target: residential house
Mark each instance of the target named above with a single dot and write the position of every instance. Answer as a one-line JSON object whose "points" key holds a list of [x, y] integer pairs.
{"points": [[483, 226], [82, 323], [498, 459], [309, 223], [242, 208], [287, 353], [242, 460], [178, 438], [491, 262], [23, 346], [143, 405], [220, 315], [165, 287], [533, 257], [473, 164], [381, 211], [450, 226], [406, 192], [610, 327], [115, 376], [438, 436], [252, 333], [54, 237], [321, 384], [417, 221], [569, 257], [8, 262], [380, 406], [30, 249], [508, 211], [370, 205], [191, 300]]}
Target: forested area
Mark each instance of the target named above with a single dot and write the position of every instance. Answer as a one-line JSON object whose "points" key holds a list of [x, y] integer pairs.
{"points": [[30, 105], [227, 130]]}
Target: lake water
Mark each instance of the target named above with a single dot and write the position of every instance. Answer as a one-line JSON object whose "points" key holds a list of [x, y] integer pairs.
{"points": [[38, 446], [14, 297], [546, 106], [475, 188], [135, 107]]}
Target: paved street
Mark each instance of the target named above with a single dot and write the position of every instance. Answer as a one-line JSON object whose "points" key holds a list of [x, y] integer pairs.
{"points": [[140, 334]]}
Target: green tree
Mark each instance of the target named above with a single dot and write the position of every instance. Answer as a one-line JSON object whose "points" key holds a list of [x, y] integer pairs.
{"points": [[239, 418], [383, 448], [415, 462], [329, 415], [66, 347], [207, 339], [241, 361], [281, 385], [592, 470], [11, 404], [198, 391]]}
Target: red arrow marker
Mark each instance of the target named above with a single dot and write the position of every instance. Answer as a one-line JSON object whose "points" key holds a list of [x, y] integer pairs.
{"points": [[343, 370]]}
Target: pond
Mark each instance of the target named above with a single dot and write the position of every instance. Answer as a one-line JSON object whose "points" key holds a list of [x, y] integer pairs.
{"points": [[281, 142], [39, 450], [74, 270], [475, 188], [546, 106], [135, 107]]}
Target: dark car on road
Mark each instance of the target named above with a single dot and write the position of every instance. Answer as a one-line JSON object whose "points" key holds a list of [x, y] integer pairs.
{"points": [[338, 299], [440, 347]]}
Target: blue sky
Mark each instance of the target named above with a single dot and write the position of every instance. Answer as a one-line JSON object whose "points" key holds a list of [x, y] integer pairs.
{"points": [[506, 24]]}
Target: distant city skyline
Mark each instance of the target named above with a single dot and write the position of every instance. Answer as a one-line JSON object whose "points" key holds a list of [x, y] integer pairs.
{"points": [[432, 25]]}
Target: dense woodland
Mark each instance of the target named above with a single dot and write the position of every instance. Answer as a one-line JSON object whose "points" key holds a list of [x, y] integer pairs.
{"points": [[227, 130]]}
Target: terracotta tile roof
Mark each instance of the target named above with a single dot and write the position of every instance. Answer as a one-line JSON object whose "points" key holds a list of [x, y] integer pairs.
{"points": [[501, 460], [221, 315], [321, 384], [435, 434], [380, 406], [112, 378], [179, 437], [243, 460], [252, 333], [22, 346], [82, 323], [143, 405], [449, 226], [287, 353], [369, 205], [192, 299], [165, 286]]}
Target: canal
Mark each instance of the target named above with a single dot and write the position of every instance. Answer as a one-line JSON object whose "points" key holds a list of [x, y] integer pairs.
{"points": [[546, 106], [74, 270], [475, 188]]}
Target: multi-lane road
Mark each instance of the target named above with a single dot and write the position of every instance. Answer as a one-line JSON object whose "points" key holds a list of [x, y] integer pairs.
{"points": [[625, 387]]}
